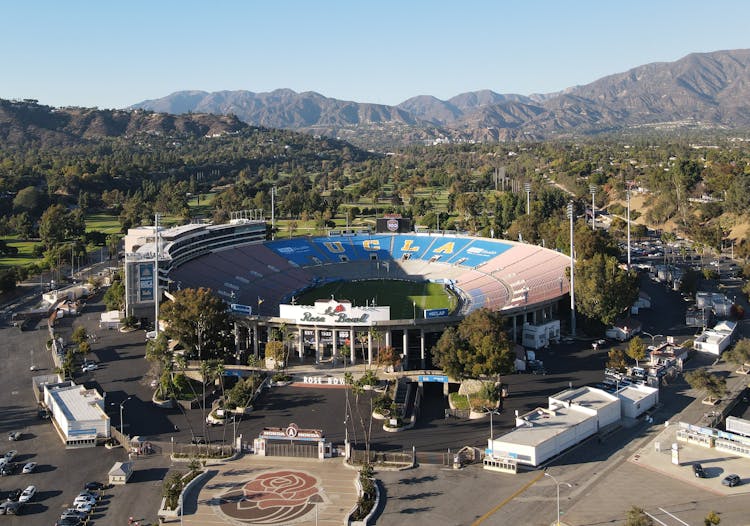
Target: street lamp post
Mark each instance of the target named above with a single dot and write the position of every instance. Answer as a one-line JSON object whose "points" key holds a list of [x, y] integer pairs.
{"points": [[652, 336], [557, 484], [492, 435], [122, 424]]}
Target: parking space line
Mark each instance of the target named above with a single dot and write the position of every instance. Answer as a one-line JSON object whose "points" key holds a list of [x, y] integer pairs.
{"points": [[494, 510]]}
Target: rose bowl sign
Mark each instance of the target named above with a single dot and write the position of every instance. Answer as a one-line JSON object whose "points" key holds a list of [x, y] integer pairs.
{"points": [[392, 225], [333, 312]]}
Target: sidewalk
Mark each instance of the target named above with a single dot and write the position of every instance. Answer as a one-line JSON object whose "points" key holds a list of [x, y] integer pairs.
{"points": [[656, 453]]}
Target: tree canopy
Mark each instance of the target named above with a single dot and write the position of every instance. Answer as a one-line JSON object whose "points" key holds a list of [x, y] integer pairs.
{"points": [[478, 347], [200, 321], [740, 354], [603, 290], [702, 380], [636, 349]]}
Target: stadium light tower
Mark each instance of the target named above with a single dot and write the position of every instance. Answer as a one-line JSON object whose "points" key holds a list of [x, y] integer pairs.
{"points": [[273, 212], [592, 189], [156, 274], [527, 187], [571, 215]]}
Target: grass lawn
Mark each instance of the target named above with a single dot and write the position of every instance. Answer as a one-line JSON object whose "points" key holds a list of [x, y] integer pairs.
{"points": [[105, 223], [399, 295], [25, 253]]}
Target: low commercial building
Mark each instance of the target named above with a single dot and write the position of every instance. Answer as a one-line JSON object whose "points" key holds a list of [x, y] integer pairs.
{"points": [[78, 414], [120, 473], [571, 417], [715, 341], [636, 399], [624, 330], [110, 319], [539, 336]]}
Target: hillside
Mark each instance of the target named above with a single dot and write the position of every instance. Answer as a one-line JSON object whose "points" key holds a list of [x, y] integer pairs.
{"points": [[701, 90], [29, 123]]}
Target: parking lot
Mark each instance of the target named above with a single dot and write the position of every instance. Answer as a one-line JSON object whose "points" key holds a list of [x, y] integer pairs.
{"points": [[62, 473]]}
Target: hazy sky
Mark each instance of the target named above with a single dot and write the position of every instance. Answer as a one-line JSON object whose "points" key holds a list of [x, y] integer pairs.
{"points": [[112, 54]]}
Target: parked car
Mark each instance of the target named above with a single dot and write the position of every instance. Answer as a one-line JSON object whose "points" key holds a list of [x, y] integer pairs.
{"points": [[10, 507], [27, 494], [43, 414], [94, 486], [69, 521], [84, 507], [14, 435], [89, 367], [14, 494], [72, 512], [732, 480], [29, 467], [10, 455], [698, 471], [198, 439], [8, 468]]}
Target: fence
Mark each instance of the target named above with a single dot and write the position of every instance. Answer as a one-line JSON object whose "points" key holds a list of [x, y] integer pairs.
{"points": [[382, 457], [291, 450], [200, 450]]}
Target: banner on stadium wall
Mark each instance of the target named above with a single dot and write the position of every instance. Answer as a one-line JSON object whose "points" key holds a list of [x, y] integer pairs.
{"points": [[146, 281], [435, 313], [241, 309], [334, 312]]}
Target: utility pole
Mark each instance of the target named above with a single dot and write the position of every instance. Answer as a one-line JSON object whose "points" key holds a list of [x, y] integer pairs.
{"points": [[628, 184]]}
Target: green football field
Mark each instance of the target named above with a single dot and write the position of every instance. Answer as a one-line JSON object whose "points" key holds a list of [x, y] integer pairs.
{"points": [[401, 296]]}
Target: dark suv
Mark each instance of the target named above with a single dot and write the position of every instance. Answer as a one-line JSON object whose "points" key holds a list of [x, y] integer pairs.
{"points": [[732, 480], [698, 471]]}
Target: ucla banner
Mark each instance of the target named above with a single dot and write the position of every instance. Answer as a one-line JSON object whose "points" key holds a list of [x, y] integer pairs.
{"points": [[146, 281], [435, 313]]}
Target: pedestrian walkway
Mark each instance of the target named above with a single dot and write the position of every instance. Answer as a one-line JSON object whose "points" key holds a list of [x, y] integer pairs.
{"points": [[656, 454], [278, 490]]}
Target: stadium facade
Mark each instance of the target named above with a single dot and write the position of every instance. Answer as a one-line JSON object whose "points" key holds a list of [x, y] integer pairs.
{"points": [[261, 280]]}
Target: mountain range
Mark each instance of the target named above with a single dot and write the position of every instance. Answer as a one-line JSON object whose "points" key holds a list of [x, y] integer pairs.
{"points": [[706, 90]]}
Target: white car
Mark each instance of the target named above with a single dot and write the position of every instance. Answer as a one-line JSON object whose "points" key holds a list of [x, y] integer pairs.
{"points": [[84, 507], [27, 494], [90, 367], [29, 467], [84, 499], [10, 455]]}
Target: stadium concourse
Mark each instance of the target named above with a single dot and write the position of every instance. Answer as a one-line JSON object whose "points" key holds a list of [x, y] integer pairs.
{"points": [[262, 280]]}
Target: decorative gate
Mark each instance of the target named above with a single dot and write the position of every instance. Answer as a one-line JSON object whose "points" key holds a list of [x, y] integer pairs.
{"points": [[291, 449]]}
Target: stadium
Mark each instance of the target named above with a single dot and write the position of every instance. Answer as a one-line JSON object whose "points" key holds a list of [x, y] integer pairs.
{"points": [[342, 297]]}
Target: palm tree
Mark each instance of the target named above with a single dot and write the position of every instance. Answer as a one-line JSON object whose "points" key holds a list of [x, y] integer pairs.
{"points": [[205, 369]]}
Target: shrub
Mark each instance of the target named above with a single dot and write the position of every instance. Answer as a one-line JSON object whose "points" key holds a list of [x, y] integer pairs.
{"points": [[366, 500], [369, 378], [382, 403]]}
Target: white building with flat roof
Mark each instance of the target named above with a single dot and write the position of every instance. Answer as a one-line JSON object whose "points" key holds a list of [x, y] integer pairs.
{"points": [[715, 341], [572, 416], [636, 399], [78, 414]]}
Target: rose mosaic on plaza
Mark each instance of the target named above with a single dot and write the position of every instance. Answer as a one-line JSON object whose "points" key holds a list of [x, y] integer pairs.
{"points": [[272, 498]]}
